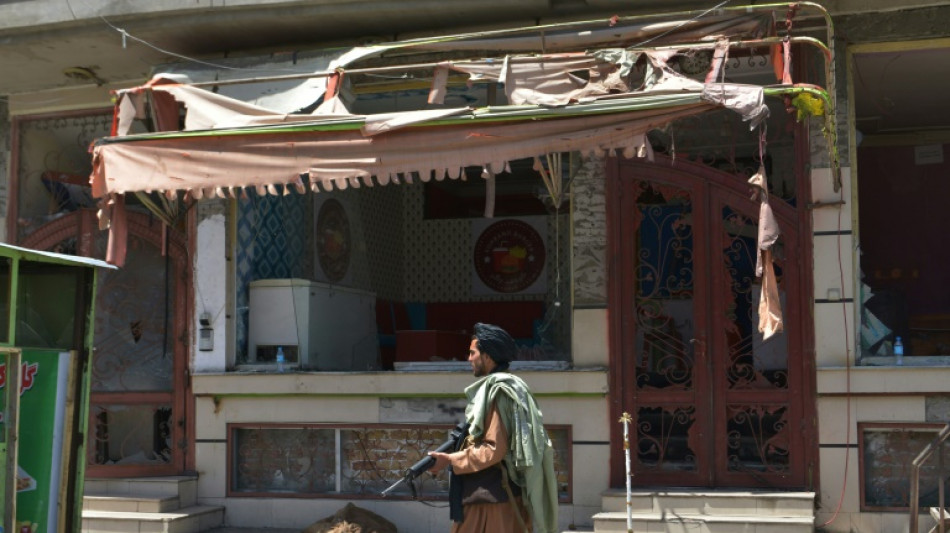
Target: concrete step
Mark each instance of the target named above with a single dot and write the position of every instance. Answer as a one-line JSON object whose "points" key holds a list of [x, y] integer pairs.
{"points": [[713, 503], [701, 523], [194, 519], [130, 504], [185, 488], [227, 529]]}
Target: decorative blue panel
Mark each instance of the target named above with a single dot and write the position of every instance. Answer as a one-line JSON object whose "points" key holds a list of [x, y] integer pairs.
{"points": [[272, 242]]}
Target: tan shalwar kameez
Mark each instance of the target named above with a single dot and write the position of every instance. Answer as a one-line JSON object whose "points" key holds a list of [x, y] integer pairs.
{"points": [[488, 517]]}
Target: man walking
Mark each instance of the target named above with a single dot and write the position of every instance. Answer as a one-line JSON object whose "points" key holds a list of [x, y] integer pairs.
{"points": [[503, 478]]}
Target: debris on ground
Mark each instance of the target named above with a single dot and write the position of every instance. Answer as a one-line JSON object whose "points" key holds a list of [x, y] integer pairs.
{"points": [[352, 519]]}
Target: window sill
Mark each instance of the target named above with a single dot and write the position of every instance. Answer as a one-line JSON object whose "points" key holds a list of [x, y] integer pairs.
{"points": [[464, 366], [420, 383], [909, 360], [909, 379]]}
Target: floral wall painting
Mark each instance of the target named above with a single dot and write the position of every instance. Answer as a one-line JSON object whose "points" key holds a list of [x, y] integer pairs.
{"points": [[509, 256], [333, 241]]}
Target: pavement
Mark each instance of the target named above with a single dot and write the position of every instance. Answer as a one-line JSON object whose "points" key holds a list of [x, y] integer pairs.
{"points": [[250, 530], [272, 530]]}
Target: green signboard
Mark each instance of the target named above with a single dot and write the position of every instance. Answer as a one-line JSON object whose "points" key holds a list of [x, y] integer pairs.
{"points": [[43, 383]]}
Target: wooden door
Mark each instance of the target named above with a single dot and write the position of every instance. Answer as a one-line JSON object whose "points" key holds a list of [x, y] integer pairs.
{"points": [[713, 405], [138, 406]]}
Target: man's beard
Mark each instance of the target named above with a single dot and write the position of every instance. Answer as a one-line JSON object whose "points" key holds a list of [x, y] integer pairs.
{"points": [[478, 368]]}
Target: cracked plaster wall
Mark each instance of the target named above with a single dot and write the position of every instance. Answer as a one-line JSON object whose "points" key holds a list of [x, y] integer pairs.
{"points": [[4, 164]]}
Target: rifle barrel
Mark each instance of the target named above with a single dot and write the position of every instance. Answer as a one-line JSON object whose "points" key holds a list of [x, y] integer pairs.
{"points": [[428, 461], [394, 485]]}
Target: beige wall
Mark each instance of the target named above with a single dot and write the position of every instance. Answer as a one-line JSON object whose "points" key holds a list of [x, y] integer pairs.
{"points": [[877, 394], [849, 395], [589, 338]]}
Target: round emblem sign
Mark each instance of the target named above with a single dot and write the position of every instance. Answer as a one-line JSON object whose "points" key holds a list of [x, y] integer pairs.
{"points": [[333, 240], [509, 256]]}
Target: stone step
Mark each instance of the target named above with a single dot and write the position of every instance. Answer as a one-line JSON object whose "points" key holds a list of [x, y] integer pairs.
{"points": [[194, 519], [713, 503], [697, 523], [130, 504], [229, 529], [185, 488]]}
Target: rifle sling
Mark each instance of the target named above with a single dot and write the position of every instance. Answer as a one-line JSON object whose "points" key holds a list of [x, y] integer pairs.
{"points": [[511, 498]]}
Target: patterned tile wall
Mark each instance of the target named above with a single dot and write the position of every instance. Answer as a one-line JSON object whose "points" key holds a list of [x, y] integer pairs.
{"points": [[4, 161], [439, 262], [273, 241], [589, 244]]}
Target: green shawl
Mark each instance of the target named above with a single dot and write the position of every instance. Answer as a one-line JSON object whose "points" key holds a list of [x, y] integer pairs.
{"points": [[530, 458]]}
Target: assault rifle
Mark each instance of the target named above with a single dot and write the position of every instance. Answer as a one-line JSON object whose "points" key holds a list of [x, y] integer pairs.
{"points": [[451, 444]]}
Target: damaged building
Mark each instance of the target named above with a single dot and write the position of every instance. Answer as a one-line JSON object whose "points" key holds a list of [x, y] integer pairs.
{"points": [[711, 223]]}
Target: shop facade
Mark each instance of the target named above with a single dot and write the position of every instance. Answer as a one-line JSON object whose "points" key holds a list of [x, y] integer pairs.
{"points": [[669, 336]]}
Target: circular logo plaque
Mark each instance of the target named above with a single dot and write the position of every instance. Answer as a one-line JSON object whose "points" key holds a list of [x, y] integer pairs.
{"points": [[509, 256], [333, 240]]}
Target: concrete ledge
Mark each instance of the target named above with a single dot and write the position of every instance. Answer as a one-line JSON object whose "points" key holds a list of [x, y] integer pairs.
{"points": [[687, 523], [877, 380], [410, 384], [129, 504]]}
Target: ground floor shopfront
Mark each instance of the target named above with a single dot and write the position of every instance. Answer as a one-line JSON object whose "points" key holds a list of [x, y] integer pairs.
{"points": [[355, 432], [288, 449], [717, 407], [649, 307]]}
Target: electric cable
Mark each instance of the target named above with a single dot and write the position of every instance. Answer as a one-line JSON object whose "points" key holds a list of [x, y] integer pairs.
{"points": [[126, 35], [847, 367], [681, 24]]}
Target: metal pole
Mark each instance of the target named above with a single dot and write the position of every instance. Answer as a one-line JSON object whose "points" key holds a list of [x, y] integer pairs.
{"points": [[914, 497], [940, 482], [936, 444], [11, 416]]}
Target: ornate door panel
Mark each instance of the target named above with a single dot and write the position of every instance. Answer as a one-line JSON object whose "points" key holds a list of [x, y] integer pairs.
{"points": [[712, 403], [662, 310], [137, 409], [756, 385]]}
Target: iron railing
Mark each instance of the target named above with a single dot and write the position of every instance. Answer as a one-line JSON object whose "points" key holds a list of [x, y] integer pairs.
{"points": [[923, 456]]}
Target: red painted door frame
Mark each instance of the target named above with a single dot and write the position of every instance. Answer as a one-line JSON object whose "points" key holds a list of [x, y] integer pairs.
{"points": [[720, 189], [82, 225]]}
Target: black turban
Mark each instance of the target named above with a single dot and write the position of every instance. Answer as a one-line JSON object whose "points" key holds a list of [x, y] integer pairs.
{"points": [[497, 343]]}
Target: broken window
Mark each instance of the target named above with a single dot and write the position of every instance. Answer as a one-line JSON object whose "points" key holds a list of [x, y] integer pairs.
{"points": [[902, 168], [887, 451], [361, 462]]}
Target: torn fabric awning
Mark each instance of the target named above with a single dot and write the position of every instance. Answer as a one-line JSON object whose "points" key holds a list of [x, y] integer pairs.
{"points": [[281, 96], [595, 34], [335, 153]]}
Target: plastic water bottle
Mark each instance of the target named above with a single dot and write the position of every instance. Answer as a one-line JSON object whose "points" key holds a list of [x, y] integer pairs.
{"points": [[280, 359], [898, 352]]}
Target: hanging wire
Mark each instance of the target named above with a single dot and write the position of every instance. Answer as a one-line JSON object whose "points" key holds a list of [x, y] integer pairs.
{"points": [[685, 22], [126, 35], [556, 183]]}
